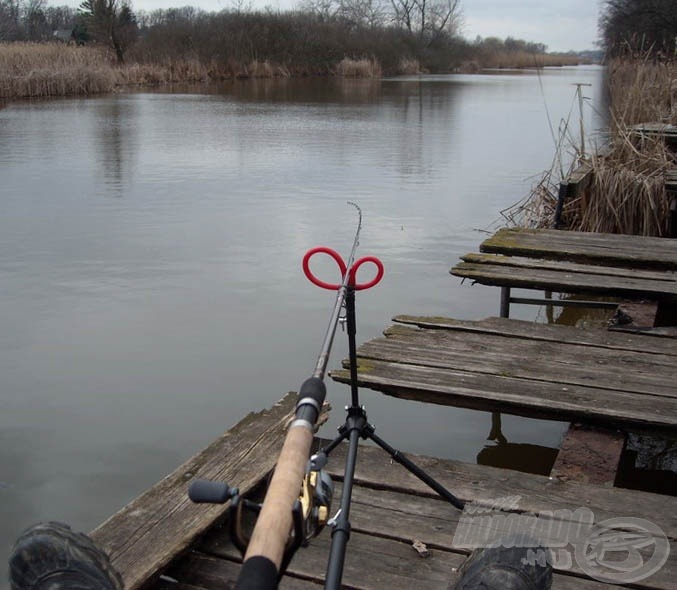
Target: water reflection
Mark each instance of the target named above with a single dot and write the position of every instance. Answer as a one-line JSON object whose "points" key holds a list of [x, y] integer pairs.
{"points": [[117, 143], [525, 457]]}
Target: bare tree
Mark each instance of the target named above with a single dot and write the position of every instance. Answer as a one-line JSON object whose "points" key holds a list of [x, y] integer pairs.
{"points": [[10, 20], [35, 19], [427, 18], [365, 13], [648, 26]]}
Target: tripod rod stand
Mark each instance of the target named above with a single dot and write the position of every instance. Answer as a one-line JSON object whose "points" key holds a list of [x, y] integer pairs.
{"points": [[355, 427]]}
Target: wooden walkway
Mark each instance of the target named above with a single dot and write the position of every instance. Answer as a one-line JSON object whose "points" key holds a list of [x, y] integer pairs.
{"points": [[391, 509], [164, 542], [581, 263], [534, 370]]}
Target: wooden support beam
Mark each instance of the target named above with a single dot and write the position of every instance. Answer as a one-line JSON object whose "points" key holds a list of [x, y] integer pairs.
{"points": [[589, 455]]}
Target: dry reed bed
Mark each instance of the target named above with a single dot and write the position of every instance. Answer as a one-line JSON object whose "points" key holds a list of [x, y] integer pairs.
{"points": [[642, 91], [358, 68], [34, 70], [30, 70], [627, 192], [628, 189], [518, 60]]}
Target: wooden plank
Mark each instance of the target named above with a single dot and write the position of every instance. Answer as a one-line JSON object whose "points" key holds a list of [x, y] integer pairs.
{"points": [[522, 397], [585, 247], [165, 584], [371, 563], [405, 517], [561, 363], [375, 562], [667, 332], [149, 532], [617, 272], [544, 332], [589, 455], [671, 180], [481, 483], [564, 282], [385, 522], [214, 573]]}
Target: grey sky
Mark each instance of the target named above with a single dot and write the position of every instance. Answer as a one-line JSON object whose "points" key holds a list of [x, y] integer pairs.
{"points": [[560, 24]]}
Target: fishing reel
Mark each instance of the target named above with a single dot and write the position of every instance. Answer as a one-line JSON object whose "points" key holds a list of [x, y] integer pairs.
{"points": [[310, 513]]}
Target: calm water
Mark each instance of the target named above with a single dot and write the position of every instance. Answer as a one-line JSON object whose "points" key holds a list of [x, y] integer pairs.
{"points": [[151, 292]]}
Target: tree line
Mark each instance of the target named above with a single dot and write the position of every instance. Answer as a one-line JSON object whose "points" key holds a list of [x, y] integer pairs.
{"points": [[639, 27], [309, 39]]}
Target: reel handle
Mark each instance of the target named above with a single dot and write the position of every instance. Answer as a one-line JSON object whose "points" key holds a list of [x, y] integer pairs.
{"points": [[204, 491]]}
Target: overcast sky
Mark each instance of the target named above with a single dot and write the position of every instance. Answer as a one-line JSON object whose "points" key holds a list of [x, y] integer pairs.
{"points": [[560, 24]]}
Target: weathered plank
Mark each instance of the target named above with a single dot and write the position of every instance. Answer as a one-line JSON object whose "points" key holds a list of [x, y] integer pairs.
{"points": [[481, 483], [671, 180], [375, 562], [371, 563], [585, 247], [545, 332], [534, 399], [589, 455], [213, 573], [665, 334], [562, 363], [406, 517], [619, 273], [149, 532], [384, 525], [526, 277]]}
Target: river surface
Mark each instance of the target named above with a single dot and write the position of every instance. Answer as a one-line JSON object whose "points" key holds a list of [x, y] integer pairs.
{"points": [[151, 291]]}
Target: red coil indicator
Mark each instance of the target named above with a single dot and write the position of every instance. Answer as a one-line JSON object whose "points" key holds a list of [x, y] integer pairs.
{"points": [[352, 276]]}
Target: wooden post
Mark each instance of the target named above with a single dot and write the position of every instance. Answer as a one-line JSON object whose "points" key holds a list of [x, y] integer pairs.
{"points": [[505, 302]]}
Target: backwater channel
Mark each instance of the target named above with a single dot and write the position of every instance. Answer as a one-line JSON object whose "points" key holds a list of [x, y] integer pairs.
{"points": [[151, 291]]}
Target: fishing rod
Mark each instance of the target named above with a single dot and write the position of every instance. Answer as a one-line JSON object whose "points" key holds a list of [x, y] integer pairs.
{"points": [[296, 501], [296, 504]]}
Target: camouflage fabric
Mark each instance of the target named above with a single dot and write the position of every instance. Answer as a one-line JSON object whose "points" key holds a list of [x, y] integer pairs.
{"points": [[50, 556]]}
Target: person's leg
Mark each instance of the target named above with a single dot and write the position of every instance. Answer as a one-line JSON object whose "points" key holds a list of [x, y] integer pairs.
{"points": [[50, 556]]}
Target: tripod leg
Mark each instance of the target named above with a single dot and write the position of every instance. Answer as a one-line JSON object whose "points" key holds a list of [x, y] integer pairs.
{"points": [[341, 528], [416, 470]]}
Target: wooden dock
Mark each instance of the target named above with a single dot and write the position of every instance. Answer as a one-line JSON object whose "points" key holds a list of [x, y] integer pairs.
{"points": [[538, 371], [605, 383], [578, 263], [164, 542]]}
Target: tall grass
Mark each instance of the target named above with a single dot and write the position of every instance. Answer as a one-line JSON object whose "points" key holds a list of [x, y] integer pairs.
{"points": [[50, 69], [501, 59], [359, 68], [627, 192], [641, 91], [29, 70]]}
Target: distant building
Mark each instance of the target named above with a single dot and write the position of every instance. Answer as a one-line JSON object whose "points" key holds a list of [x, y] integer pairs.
{"points": [[64, 35]]}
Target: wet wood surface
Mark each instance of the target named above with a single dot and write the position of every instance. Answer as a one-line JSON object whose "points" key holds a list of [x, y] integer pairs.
{"points": [[391, 509], [608, 379], [150, 531], [566, 277], [585, 247]]}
